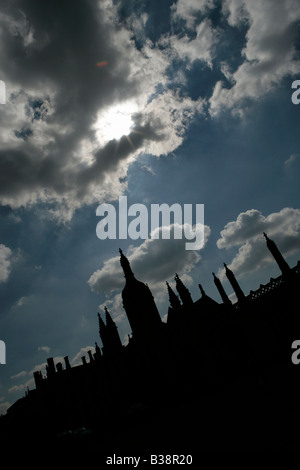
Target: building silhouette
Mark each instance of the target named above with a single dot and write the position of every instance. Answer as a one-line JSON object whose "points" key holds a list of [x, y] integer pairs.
{"points": [[175, 375]]}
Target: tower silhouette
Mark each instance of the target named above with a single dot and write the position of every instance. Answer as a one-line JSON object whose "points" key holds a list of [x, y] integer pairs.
{"points": [[202, 290], [173, 299], [183, 292], [284, 267], [221, 290], [139, 304], [109, 334], [235, 285]]}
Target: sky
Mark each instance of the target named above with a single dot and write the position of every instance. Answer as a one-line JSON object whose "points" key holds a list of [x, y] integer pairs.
{"points": [[186, 102]]}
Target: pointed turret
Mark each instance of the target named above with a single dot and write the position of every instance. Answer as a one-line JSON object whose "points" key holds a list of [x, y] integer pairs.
{"points": [[125, 265], [235, 285], [284, 267], [109, 334], [112, 332], [173, 299], [138, 303], [102, 330], [183, 292], [221, 290], [202, 290], [101, 326], [205, 304], [98, 351], [108, 319]]}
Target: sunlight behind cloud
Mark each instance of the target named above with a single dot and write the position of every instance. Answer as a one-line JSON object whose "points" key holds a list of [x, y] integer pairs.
{"points": [[115, 121]]}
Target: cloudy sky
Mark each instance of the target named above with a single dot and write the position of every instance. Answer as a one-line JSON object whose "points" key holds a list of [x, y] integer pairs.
{"points": [[185, 101]]}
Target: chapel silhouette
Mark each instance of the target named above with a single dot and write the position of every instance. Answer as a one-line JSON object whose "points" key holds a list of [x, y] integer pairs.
{"points": [[207, 363]]}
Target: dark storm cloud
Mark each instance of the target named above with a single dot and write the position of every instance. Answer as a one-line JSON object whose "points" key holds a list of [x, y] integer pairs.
{"points": [[60, 43], [49, 55], [19, 171], [56, 93], [23, 171], [107, 158]]}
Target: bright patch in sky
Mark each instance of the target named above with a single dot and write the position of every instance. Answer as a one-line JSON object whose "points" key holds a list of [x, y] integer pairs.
{"points": [[114, 122]]}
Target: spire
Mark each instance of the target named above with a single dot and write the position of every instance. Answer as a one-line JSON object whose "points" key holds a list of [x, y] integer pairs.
{"points": [[125, 265], [109, 334], [112, 328], [183, 292], [108, 319], [201, 290], [98, 350], [284, 267], [139, 304], [235, 285], [173, 299], [221, 290], [101, 325]]}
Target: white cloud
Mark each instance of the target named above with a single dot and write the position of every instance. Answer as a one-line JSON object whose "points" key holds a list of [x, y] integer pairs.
{"points": [[5, 262], [154, 261], [269, 54], [114, 306], [83, 352], [14, 218], [170, 115], [198, 48], [137, 25], [22, 301], [108, 278], [148, 169], [4, 405], [23, 373], [292, 165], [246, 233], [188, 9], [76, 360], [291, 160], [21, 387], [236, 11], [45, 349]]}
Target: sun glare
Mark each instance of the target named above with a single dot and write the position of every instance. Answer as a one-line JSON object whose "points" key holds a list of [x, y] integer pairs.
{"points": [[115, 122]]}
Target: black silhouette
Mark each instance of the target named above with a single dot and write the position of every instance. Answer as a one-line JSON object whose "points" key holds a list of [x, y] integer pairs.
{"points": [[215, 375]]}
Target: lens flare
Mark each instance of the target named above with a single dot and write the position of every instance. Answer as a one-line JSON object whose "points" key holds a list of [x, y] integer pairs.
{"points": [[102, 63]]}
